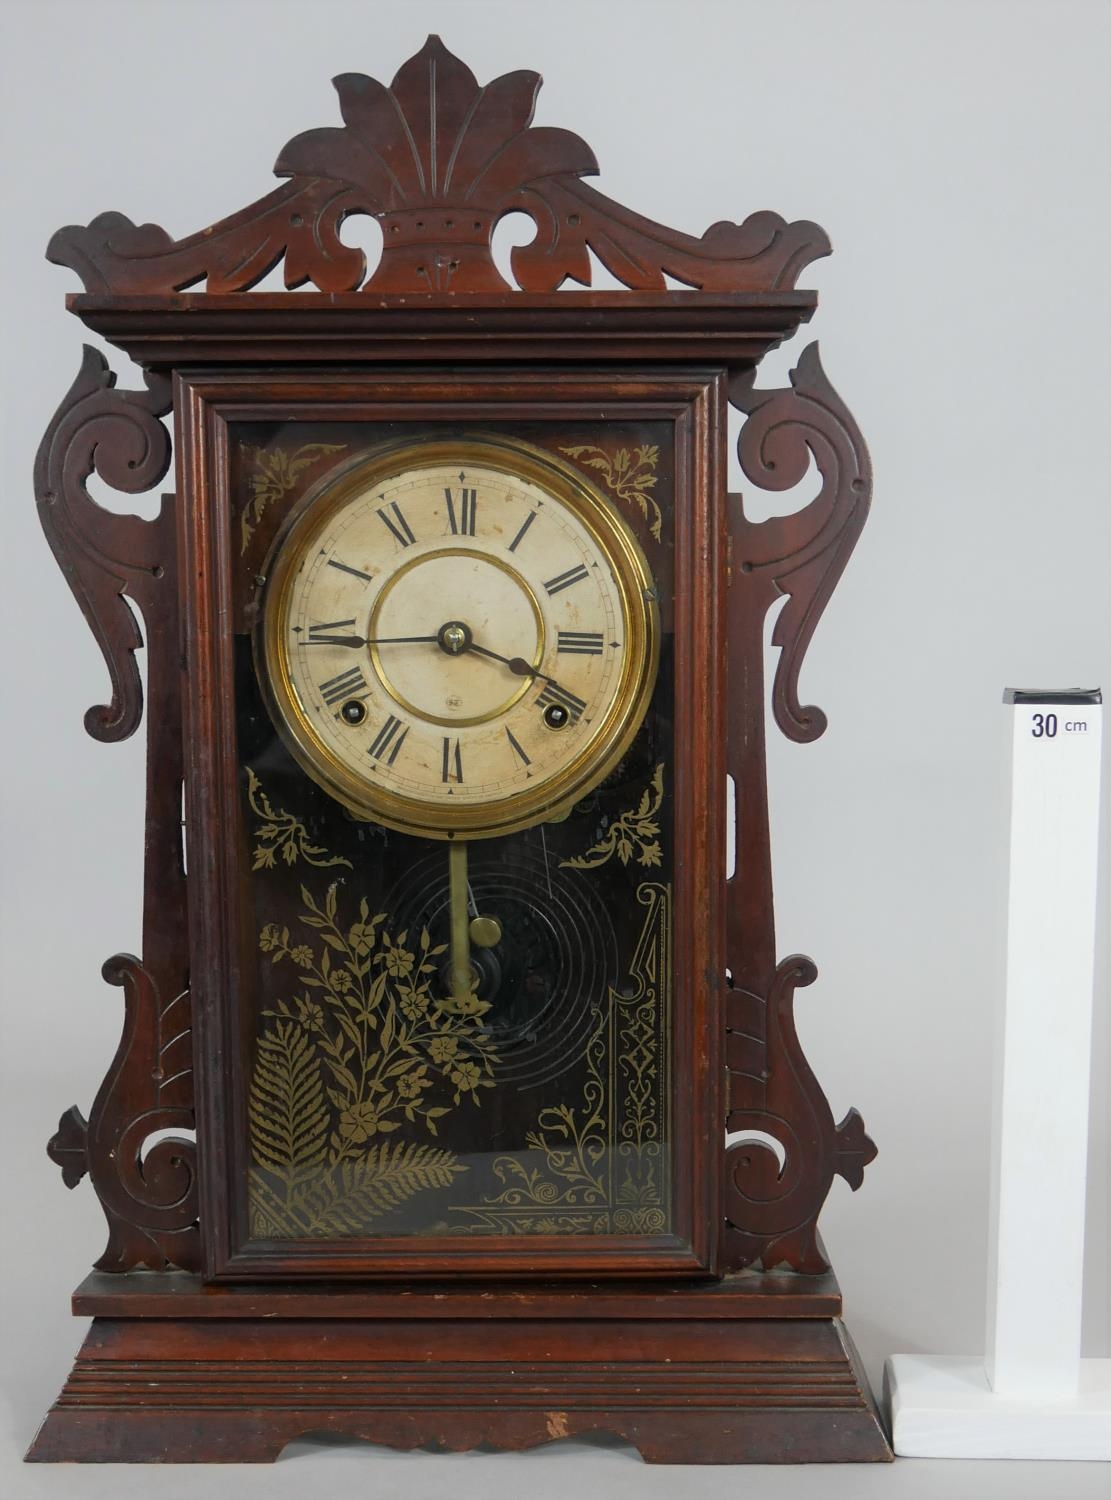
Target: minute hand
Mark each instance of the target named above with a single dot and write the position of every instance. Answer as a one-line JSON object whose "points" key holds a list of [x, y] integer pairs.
{"points": [[358, 640]]}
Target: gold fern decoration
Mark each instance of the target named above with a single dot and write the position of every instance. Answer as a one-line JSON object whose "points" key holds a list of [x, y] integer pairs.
{"points": [[358, 1049], [286, 1109], [349, 1195], [629, 474], [633, 834], [354, 1192]]}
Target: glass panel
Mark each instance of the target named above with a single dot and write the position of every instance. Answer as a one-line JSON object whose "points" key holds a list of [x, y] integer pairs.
{"points": [[386, 1096]]}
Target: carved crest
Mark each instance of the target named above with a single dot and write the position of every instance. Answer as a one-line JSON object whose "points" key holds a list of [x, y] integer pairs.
{"points": [[437, 159]]}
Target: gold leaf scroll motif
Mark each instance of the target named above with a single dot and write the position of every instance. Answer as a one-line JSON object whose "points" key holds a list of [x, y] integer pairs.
{"points": [[276, 471], [642, 1128], [600, 1165], [572, 1141], [280, 832], [630, 474], [634, 834], [359, 1050]]}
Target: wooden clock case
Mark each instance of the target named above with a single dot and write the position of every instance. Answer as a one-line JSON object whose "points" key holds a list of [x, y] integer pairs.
{"points": [[727, 1346]]}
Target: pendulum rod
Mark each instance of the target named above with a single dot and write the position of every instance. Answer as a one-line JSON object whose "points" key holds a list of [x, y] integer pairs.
{"points": [[461, 979]]}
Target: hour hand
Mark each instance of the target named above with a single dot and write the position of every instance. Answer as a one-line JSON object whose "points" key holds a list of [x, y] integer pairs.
{"points": [[559, 704], [521, 668], [516, 664]]}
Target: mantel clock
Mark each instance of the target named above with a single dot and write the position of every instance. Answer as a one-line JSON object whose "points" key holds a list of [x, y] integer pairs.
{"points": [[459, 1099]]}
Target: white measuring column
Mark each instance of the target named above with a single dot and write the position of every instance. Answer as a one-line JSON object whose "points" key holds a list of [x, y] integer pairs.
{"points": [[1043, 1061], [1032, 1396]]}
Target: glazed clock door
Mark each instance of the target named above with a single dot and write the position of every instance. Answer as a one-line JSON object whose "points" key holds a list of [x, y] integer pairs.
{"points": [[448, 672]]}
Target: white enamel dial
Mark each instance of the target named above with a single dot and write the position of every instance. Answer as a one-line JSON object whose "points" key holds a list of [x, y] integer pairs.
{"points": [[459, 638]]}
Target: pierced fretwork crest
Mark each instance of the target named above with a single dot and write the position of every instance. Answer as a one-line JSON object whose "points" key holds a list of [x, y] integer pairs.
{"points": [[437, 160]]}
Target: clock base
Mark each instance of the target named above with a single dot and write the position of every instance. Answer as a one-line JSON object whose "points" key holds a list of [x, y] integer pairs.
{"points": [[752, 1369]]}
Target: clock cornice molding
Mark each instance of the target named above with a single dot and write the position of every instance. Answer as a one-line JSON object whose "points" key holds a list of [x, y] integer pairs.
{"points": [[734, 330]]}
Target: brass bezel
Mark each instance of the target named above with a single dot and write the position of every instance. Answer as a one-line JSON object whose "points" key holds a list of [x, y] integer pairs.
{"points": [[592, 763]]}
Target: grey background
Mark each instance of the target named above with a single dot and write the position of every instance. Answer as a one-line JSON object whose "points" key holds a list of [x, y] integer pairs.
{"points": [[957, 154]]}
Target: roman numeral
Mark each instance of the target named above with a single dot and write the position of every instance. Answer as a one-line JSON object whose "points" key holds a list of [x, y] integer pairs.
{"points": [[580, 642], [520, 749], [553, 693], [463, 523], [521, 534], [397, 524], [453, 761], [346, 685], [564, 580], [355, 572], [319, 634], [386, 736]]}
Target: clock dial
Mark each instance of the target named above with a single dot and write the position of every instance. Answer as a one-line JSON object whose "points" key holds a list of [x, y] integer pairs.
{"points": [[458, 638]]}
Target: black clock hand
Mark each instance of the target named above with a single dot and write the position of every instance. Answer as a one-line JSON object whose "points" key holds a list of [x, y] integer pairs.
{"points": [[559, 703], [358, 640], [516, 664]]}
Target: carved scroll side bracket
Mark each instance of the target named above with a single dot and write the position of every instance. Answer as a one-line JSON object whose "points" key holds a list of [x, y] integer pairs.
{"points": [[104, 555], [785, 1147], [772, 1205], [147, 1190], [438, 160], [801, 555]]}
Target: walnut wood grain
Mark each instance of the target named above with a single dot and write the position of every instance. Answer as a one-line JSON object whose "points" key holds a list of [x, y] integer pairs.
{"points": [[771, 1207], [804, 554], [148, 1195], [712, 1386], [687, 1362], [438, 161], [747, 1294], [735, 329], [694, 402]]}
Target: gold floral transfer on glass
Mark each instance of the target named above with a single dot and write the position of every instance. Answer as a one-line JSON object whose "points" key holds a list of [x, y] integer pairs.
{"points": [[629, 473], [600, 1166], [359, 1048], [281, 833], [360, 1060], [635, 834], [276, 472]]}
